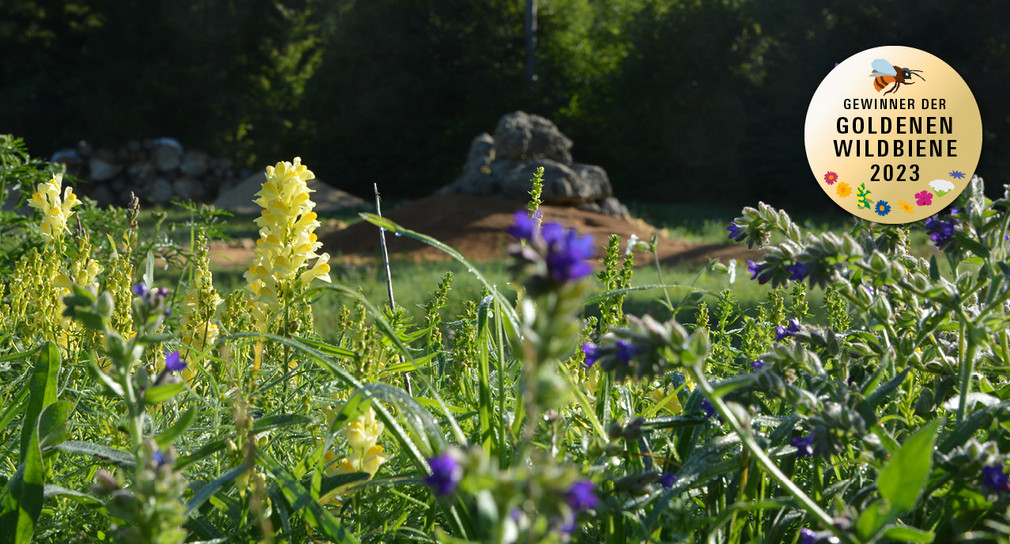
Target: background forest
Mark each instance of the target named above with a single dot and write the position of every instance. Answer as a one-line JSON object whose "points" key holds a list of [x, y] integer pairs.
{"points": [[672, 97]]}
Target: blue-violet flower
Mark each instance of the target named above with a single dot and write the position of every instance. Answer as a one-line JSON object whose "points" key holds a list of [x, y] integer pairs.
{"points": [[582, 496], [446, 473]]}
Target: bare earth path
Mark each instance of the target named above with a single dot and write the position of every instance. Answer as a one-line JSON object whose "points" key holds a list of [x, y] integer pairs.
{"points": [[475, 226]]}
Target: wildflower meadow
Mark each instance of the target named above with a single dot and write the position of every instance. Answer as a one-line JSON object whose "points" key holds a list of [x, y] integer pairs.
{"points": [[139, 407]]}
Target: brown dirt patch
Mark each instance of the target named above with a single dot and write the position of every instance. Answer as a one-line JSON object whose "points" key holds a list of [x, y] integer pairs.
{"points": [[475, 226]]}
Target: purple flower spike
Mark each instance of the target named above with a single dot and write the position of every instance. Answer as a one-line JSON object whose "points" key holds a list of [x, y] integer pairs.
{"points": [[797, 271], [760, 271], [582, 496], [804, 445], [174, 362], [781, 332], [140, 289], [525, 227], [667, 480], [592, 352], [625, 351], [736, 233], [757, 365], [994, 479], [446, 473], [807, 536], [567, 253], [941, 232]]}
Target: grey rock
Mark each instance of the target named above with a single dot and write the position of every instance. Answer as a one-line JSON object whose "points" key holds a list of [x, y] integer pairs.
{"points": [[139, 171], [521, 135], [612, 206], [594, 181], [503, 165], [103, 166], [166, 157], [195, 163]]}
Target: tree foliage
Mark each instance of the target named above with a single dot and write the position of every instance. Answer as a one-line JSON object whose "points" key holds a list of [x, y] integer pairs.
{"points": [[673, 97]]}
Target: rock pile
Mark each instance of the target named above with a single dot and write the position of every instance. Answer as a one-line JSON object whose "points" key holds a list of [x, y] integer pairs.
{"points": [[157, 170], [502, 165]]}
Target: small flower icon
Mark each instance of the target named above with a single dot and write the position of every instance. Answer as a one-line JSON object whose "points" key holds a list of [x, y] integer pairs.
{"points": [[843, 190], [924, 198], [905, 206], [830, 178], [957, 174], [882, 208]]}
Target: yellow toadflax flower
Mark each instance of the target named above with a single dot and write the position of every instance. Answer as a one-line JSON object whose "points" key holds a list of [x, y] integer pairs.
{"points": [[364, 431], [287, 241], [55, 211], [199, 329]]}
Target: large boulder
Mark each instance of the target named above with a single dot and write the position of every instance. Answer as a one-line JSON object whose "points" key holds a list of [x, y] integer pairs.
{"points": [[503, 165], [520, 135]]}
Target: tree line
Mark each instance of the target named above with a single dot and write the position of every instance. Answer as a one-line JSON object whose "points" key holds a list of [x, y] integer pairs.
{"points": [[680, 100]]}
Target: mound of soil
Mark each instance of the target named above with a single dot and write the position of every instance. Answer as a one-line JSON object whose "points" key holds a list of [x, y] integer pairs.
{"points": [[475, 226]]}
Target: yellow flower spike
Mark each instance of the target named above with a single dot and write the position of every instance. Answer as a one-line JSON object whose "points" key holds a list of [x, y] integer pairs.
{"points": [[287, 243], [55, 211]]}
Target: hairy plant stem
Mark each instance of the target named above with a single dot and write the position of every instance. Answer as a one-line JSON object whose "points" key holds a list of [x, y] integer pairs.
{"points": [[966, 350], [755, 449]]}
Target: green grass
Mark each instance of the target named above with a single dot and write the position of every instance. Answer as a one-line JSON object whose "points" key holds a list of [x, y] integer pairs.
{"points": [[413, 283]]}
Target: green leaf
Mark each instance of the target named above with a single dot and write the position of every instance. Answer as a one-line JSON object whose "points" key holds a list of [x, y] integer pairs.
{"points": [[871, 520], [908, 534], [169, 435], [111, 385], [212, 487], [53, 490], [300, 499], [333, 481], [52, 429], [971, 244], [278, 420], [902, 480], [934, 269], [207, 450], [868, 406], [328, 349], [119, 458], [16, 407], [25, 491], [161, 393], [42, 391]]}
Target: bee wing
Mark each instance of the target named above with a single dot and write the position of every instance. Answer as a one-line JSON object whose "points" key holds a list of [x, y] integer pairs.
{"points": [[882, 68]]}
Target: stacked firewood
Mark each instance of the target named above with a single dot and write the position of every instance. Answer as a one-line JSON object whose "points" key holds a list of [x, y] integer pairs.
{"points": [[157, 170]]}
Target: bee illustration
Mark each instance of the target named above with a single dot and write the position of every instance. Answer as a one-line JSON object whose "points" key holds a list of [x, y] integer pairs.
{"points": [[886, 73]]}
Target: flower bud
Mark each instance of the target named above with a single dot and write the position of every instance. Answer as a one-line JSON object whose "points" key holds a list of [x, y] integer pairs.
{"points": [[105, 482]]}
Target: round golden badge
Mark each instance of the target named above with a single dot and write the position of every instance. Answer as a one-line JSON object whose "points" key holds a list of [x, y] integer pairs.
{"points": [[893, 134]]}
